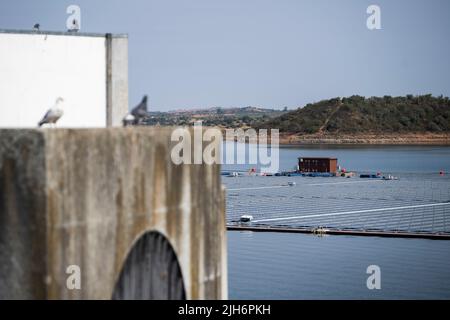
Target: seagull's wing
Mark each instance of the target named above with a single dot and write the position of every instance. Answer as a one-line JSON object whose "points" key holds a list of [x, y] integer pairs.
{"points": [[47, 114], [45, 118], [52, 115]]}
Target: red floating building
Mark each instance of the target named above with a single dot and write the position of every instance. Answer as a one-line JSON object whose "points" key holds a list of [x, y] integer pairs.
{"points": [[317, 165]]}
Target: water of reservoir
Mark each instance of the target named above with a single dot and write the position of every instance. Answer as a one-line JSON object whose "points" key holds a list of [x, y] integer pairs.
{"points": [[299, 266]]}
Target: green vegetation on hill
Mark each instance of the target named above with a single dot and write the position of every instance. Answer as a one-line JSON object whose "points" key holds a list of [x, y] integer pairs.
{"points": [[358, 114]]}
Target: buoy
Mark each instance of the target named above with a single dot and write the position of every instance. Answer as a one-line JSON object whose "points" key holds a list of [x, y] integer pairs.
{"points": [[441, 172]]}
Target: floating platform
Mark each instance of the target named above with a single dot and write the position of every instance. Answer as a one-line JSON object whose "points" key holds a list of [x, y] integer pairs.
{"points": [[348, 232]]}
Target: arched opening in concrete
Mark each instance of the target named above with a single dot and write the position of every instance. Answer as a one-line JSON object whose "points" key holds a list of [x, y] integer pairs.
{"points": [[151, 271]]}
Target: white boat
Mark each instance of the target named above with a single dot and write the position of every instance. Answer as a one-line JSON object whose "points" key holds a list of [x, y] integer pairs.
{"points": [[246, 218]]}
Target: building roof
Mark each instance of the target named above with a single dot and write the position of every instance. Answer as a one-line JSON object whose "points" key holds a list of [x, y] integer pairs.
{"points": [[62, 33]]}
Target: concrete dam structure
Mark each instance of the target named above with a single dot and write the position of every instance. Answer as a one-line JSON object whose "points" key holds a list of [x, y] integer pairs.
{"points": [[88, 70], [110, 204]]}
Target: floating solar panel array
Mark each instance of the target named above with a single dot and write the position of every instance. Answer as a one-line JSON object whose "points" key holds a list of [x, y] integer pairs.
{"points": [[418, 203]]}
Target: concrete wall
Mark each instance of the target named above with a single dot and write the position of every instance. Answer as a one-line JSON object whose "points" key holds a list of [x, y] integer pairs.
{"points": [[117, 79], [84, 197], [37, 68]]}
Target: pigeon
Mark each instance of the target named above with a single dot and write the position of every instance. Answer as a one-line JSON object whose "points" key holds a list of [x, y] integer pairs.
{"points": [[36, 27], [53, 114], [128, 120], [140, 112]]}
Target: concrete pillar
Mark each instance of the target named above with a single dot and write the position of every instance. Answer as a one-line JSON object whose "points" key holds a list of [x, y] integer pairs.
{"points": [[85, 198], [116, 79]]}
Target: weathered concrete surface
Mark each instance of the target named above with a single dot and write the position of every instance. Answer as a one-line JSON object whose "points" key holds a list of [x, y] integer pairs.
{"points": [[116, 79], [84, 197]]}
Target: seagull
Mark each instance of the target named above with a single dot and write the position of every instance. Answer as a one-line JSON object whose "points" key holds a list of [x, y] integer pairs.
{"points": [[36, 27], [53, 114], [128, 120], [140, 111]]}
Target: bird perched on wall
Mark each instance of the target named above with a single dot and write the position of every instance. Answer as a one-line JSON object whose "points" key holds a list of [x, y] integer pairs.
{"points": [[140, 112], [53, 114], [128, 120], [36, 27]]}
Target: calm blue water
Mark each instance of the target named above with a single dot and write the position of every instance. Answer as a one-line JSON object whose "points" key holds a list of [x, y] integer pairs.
{"points": [[298, 266], [423, 159]]}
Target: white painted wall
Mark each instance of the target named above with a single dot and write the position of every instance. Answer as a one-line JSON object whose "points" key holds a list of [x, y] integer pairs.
{"points": [[35, 69]]}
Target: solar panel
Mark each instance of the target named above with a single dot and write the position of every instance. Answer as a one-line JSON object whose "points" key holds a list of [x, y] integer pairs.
{"points": [[418, 202]]}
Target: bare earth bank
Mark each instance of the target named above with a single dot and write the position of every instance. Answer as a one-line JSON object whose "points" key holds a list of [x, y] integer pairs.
{"points": [[418, 138], [382, 138]]}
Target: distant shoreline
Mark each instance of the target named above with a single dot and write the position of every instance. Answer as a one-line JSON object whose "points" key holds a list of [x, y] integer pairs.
{"points": [[289, 139]]}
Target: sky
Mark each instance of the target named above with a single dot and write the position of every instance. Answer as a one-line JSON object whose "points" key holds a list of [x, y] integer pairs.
{"points": [[266, 53]]}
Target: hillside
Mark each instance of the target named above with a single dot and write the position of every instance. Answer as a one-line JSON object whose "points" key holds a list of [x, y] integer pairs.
{"points": [[358, 115]]}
